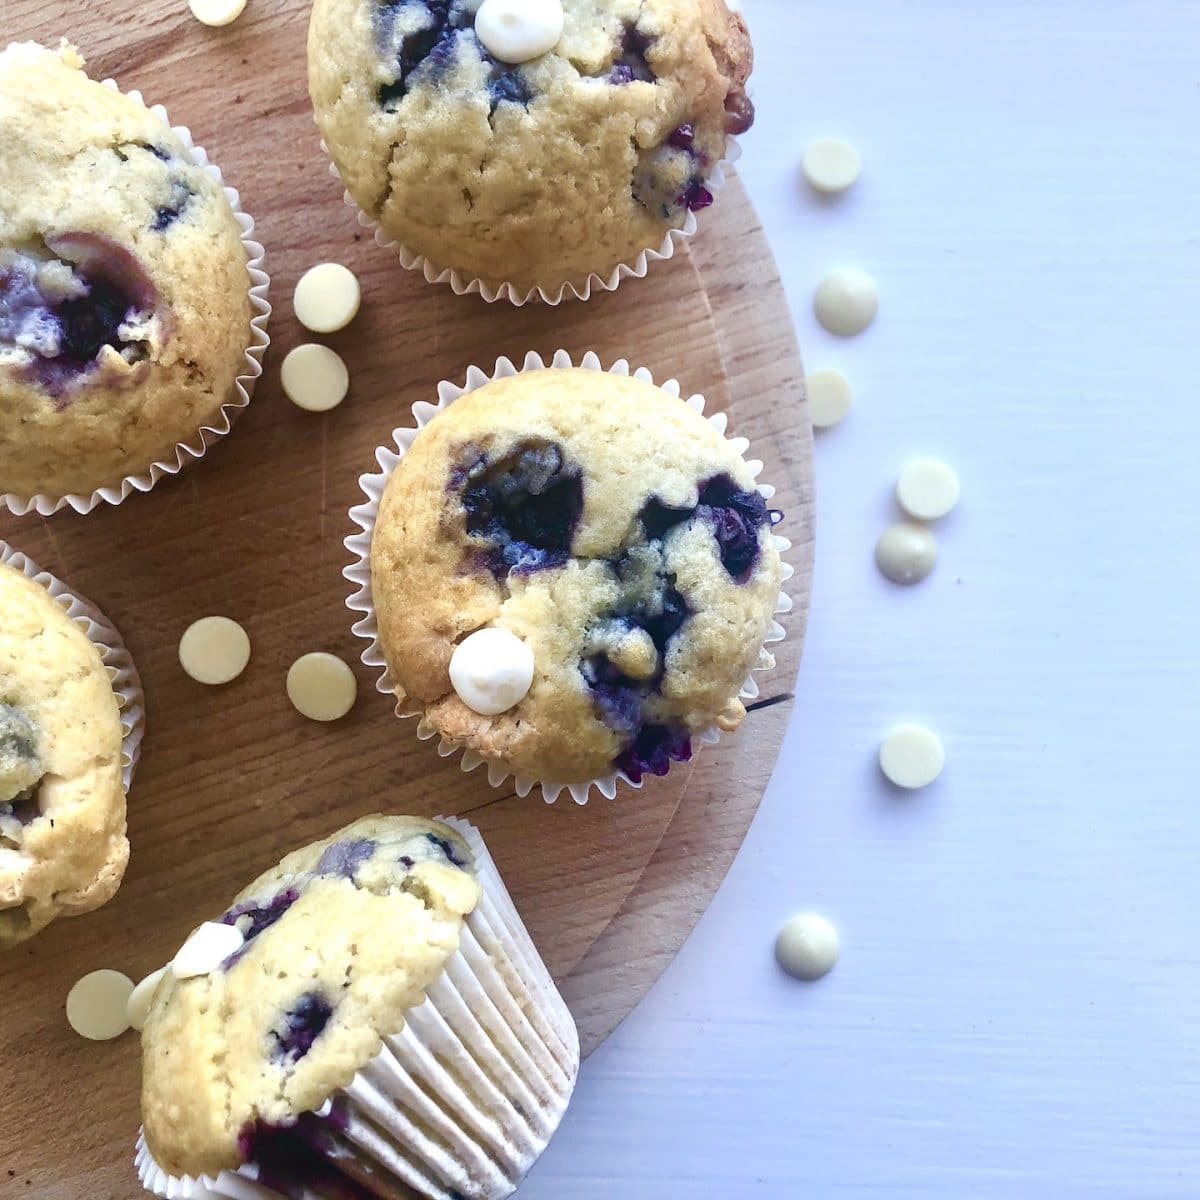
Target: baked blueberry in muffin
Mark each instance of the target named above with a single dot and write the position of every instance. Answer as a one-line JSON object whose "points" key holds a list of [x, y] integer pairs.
{"points": [[539, 172], [617, 540], [124, 289]]}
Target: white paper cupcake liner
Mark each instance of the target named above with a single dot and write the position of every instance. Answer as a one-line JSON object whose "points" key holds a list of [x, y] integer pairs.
{"points": [[126, 683], [256, 348], [464, 285], [463, 1100], [359, 571]]}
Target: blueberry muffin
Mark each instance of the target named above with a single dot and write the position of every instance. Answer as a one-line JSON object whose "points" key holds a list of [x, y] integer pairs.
{"points": [[62, 800], [537, 173], [293, 1060], [124, 288], [608, 527]]}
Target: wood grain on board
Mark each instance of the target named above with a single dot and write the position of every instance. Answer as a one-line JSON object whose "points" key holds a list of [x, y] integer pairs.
{"points": [[231, 778]]}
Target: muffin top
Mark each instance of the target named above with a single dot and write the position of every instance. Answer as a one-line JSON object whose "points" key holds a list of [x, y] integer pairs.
{"points": [[537, 173], [609, 527], [124, 290], [342, 938], [62, 799]]}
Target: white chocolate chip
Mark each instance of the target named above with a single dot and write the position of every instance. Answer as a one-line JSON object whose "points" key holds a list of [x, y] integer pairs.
{"points": [[137, 1008], [846, 301], [214, 650], [326, 298], [206, 949], [828, 398], [927, 489], [831, 165], [491, 670], [807, 947], [314, 377], [96, 1005], [321, 686], [516, 31], [216, 12], [906, 553], [912, 756]]}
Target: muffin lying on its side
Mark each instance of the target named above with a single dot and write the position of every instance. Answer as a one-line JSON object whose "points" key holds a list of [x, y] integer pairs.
{"points": [[375, 1019]]}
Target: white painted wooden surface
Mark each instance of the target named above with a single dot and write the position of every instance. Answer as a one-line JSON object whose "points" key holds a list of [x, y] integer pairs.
{"points": [[1017, 1010]]}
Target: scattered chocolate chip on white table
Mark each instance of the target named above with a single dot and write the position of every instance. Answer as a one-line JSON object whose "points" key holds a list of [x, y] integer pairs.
{"points": [[911, 756], [846, 301], [807, 946], [906, 553]]}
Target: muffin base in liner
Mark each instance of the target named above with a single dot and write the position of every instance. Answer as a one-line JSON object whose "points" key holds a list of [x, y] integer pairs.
{"points": [[463, 285], [359, 571], [206, 435], [463, 1100], [126, 683]]}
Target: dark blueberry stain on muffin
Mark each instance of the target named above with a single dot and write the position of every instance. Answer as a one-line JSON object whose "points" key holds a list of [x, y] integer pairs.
{"points": [[432, 42], [664, 624], [523, 507], [344, 858], [696, 195], [406, 861], [65, 325], [260, 917], [167, 214], [298, 1160], [17, 735], [447, 848], [20, 764], [161, 154], [619, 698], [92, 322], [425, 51], [657, 183], [683, 137], [630, 63], [338, 1116], [302, 1024], [507, 85], [653, 750], [736, 516]]}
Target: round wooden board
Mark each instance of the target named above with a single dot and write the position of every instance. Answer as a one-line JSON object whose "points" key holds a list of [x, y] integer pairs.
{"points": [[231, 778]]}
